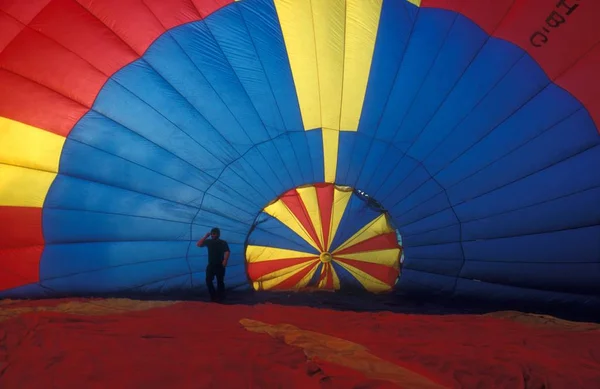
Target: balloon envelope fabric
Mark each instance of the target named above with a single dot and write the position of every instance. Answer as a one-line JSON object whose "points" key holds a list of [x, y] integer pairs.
{"points": [[124, 139]]}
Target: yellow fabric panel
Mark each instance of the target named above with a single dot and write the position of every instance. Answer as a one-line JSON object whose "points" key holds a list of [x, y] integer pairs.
{"points": [[362, 22], [262, 253], [340, 202], [22, 187], [27, 146], [307, 277], [275, 278], [282, 213], [370, 283], [387, 257], [329, 24], [330, 153], [296, 20], [415, 2], [378, 226], [309, 198]]}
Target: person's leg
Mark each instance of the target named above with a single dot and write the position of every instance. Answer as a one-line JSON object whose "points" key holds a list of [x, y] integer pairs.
{"points": [[221, 282], [210, 274]]}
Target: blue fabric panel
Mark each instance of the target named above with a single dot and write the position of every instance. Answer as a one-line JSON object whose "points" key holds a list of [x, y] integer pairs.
{"points": [[400, 172], [539, 160], [251, 171], [577, 210], [60, 260], [428, 36], [314, 281], [357, 215], [395, 26], [141, 80], [104, 134], [424, 283], [557, 180], [442, 235], [550, 108], [173, 284], [198, 42], [501, 102], [434, 222], [347, 280], [62, 226], [446, 267], [291, 162], [427, 208], [262, 22], [258, 160], [575, 245], [120, 105], [503, 293], [231, 230], [346, 143], [314, 140], [74, 193], [368, 165], [429, 190], [239, 185], [300, 145], [271, 232], [121, 278], [169, 60], [229, 30], [219, 200], [380, 181], [451, 251], [275, 161], [77, 158], [417, 178], [452, 60], [494, 61], [581, 278], [31, 291]]}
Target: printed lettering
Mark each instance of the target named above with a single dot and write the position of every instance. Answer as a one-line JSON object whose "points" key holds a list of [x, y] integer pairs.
{"points": [[538, 39], [570, 9], [555, 19]]}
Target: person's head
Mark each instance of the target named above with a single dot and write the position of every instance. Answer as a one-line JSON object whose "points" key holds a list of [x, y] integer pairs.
{"points": [[215, 233]]}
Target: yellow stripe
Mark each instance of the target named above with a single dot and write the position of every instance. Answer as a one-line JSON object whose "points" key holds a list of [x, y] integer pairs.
{"points": [[308, 195], [340, 202], [282, 213], [21, 187], [271, 280], [27, 146], [370, 283], [296, 20], [330, 153], [378, 226], [307, 277], [415, 2], [256, 254], [387, 257], [362, 20]]}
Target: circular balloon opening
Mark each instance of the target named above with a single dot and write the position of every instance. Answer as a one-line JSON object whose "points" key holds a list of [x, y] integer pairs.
{"points": [[324, 237]]}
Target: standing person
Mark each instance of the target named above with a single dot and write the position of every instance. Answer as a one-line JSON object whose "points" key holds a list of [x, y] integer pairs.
{"points": [[218, 255]]}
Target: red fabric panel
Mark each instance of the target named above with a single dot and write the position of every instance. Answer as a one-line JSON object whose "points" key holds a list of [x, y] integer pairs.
{"points": [[206, 7], [9, 28], [36, 105], [293, 280], [23, 10], [138, 32], [259, 269], [325, 198], [293, 201], [42, 60], [559, 35], [73, 27], [22, 246], [383, 273], [379, 242], [174, 12]]}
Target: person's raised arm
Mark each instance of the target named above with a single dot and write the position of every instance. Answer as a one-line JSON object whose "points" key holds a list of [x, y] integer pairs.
{"points": [[200, 243]]}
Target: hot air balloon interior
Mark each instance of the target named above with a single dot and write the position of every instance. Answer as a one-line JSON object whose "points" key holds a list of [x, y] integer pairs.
{"points": [[392, 149]]}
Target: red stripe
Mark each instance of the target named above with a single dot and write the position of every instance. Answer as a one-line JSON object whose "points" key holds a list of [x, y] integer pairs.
{"points": [[22, 245], [379, 242], [329, 283], [293, 201], [293, 280], [259, 269], [383, 273], [568, 56], [325, 196]]}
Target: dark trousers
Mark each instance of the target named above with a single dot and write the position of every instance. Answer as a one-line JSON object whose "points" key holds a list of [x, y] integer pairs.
{"points": [[212, 271]]}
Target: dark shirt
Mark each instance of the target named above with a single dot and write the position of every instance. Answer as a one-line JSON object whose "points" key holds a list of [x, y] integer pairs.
{"points": [[216, 250]]}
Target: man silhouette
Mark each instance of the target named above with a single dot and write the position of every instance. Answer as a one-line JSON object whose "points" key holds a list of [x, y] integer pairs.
{"points": [[218, 255]]}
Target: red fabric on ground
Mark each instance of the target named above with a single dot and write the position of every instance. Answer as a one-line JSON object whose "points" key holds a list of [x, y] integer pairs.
{"points": [[200, 345]]}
